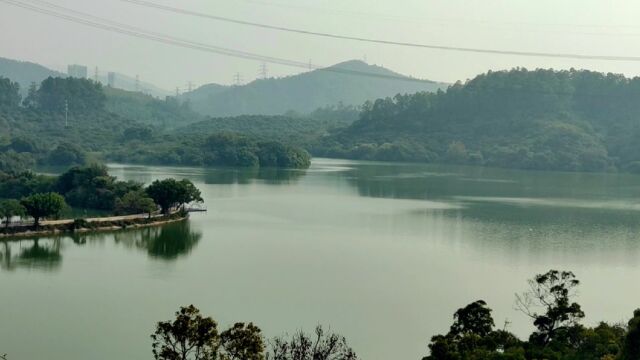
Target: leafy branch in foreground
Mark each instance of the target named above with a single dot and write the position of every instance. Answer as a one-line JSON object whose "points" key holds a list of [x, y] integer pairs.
{"points": [[192, 336]]}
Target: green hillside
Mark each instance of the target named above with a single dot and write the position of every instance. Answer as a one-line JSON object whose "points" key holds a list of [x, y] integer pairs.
{"points": [[292, 128], [70, 121], [542, 119], [148, 110]]}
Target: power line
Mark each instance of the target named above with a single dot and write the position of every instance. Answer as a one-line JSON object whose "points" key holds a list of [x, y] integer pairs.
{"points": [[113, 26], [385, 42], [422, 20]]}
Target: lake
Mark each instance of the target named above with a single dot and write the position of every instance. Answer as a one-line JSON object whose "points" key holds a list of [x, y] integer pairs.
{"points": [[382, 253]]}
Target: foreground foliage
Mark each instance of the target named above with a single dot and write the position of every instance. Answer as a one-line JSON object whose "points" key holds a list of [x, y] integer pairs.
{"points": [[559, 335], [192, 336]]}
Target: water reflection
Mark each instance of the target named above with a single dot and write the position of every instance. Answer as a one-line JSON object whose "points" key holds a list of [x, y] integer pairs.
{"points": [[273, 176], [167, 242], [31, 254], [419, 181], [585, 217]]}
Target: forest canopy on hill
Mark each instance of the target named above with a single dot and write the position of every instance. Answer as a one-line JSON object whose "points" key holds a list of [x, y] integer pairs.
{"points": [[543, 119], [70, 121]]}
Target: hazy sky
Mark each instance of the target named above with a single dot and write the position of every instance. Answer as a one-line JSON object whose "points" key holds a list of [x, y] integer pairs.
{"points": [[593, 27]]}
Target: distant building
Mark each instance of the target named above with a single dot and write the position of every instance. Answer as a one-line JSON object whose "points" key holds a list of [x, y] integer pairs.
{"points": [[111, 79], [77, 71]]}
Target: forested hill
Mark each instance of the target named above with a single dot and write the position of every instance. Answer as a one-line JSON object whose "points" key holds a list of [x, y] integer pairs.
{"points": [[305, 92], [25, 73], [542, 119]]}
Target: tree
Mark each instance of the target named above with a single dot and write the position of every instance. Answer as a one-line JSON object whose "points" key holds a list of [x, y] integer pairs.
{"points": [[170, 193], [80, 95], [91, 187], [552, 292], [194, 337], [474, 318], [12, 162], [43, 205], [319, 346], [472, 337], [9, 93], [135, 202], [66, 154], [9, 209], [242, 342], [32, 95], [631, 346], [189, 337]]}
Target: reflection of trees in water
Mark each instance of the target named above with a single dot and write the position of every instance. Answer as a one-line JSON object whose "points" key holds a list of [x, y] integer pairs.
{"points": [[167, 242], [32, 254], [435, 182], [513, 212], [273, 176]]}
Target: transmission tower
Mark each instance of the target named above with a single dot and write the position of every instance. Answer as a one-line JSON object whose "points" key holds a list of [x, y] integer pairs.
{"points": [[263, 71], [190, 86], [237, 79]]}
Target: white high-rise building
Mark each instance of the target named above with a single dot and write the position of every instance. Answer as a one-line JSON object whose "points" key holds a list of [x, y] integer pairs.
{"points": [[77, 71]]}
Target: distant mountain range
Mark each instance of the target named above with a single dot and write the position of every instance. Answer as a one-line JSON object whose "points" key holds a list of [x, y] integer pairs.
{"points": [[25, 73], [350, 83]]}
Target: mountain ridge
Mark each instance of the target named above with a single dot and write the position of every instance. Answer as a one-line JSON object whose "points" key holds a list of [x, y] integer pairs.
{"points": [[344, 83]]}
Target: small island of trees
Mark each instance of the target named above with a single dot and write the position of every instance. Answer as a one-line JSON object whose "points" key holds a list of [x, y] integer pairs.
{"points": [[88, 188]]}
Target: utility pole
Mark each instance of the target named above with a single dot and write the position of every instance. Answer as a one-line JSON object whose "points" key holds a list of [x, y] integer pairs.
{"points": [[66, 114], [95, 75], [237, 79], [137, 82], [263, 71]]}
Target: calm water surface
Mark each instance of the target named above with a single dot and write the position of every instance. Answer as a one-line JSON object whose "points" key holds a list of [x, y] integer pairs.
{"points": [[382, 253]]}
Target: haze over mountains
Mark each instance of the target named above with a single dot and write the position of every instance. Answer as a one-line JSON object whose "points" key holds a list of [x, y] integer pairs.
{"points": [[25, 73], [349, 83], [303, 93]]}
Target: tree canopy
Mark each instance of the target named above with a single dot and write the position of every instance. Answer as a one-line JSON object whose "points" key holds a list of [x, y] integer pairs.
{"points": [[192, 336], [171, 193], [540, 119], [550, 304], [43, 205]]}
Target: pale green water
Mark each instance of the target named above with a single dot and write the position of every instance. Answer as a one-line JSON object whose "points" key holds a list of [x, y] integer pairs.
{"points": [[382, 253]]}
